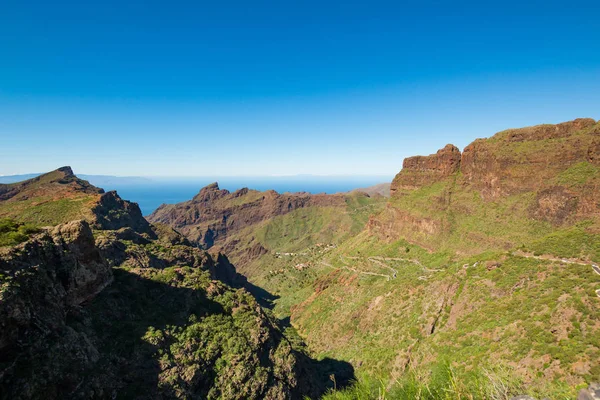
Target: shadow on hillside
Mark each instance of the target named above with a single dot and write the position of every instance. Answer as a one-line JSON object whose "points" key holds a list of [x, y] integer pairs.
{"points": [[332, 373], [319, 373], [263, 297], [120, 316], [131, 367], [227, 272]]}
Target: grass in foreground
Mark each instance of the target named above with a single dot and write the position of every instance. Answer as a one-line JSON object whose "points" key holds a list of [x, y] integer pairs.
{"points": [[443, 383]]}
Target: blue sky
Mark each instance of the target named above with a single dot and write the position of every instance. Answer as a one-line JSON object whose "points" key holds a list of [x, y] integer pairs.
{"points": [[275, 88]]}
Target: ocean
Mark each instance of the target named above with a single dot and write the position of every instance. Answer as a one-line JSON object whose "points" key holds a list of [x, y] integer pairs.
{"points": [[152, 194]]}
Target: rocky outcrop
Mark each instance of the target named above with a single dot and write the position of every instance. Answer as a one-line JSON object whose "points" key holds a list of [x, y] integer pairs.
{"points": [[420, 171], [593, 155], [42, 280], [214, 214], [112, 213], [510, 162], [64, 334], [591, 393], [60, 196], [555, 204], [67, 252]]}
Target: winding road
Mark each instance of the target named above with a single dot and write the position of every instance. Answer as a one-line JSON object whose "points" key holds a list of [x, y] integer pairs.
{"points": [[594, 265], [380, 263], [378, 260]]}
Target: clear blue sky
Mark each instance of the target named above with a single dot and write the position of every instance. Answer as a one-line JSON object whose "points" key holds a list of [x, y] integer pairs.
{"points": [[282, 87]]}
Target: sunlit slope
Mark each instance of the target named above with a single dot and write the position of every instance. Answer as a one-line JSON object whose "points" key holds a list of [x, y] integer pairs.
{"points": [[481, 263], [511, 190]]}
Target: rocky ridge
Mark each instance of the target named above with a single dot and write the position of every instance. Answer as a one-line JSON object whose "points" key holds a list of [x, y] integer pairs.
{"points": [[213, 214], [113, 307], [546, 173]]}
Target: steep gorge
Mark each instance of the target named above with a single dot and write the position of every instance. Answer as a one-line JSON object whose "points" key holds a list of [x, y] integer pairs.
{"points": [[482, 259]]}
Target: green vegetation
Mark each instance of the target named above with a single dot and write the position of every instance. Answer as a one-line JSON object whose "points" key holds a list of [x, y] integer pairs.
{"points": [[305, 227], [47, 211], [485, 309], [499, 310], [207, 339], [578, 174], [441, 383], [12, 233], [50, 199], [454, 291], [461, 220], [574, 242]]}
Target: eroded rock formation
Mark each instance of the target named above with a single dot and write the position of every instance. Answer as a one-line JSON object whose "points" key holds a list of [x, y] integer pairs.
{"points": [[213, 213]]}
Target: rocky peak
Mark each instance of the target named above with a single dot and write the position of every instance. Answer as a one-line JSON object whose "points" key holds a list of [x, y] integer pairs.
{"points": [[501, 165], [209, 193], [63, 175], [67, 171], [211, 187], [214, 214], [113, 213], [240, 192], [58, 183], [446, 161]]}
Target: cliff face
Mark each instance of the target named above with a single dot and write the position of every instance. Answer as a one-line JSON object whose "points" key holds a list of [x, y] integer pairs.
{"points": [[213, 214], [419, 171], [545, 173], [519, 160]]}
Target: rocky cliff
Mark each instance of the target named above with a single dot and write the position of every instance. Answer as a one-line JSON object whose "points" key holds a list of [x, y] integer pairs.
{"points": [[214, 214], [493, 193], [527, 159], [419, 171], [42, 280]]}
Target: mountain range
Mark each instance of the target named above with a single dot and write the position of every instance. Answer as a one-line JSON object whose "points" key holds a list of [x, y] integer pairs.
{"points": [[477, 277]]}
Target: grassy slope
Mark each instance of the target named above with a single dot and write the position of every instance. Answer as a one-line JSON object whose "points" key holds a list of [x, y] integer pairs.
{"points": [[50, 199], [47, 211], [537, 319], [300, 229]]}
